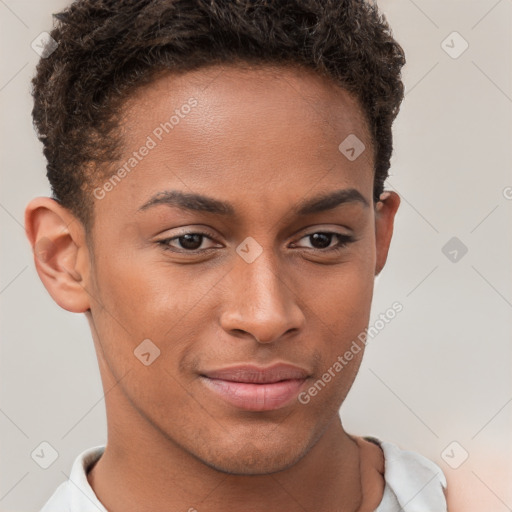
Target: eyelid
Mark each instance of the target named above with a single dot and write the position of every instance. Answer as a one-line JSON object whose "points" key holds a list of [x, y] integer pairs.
{"points": [[319, 228], [344, 239], [165, 242]]}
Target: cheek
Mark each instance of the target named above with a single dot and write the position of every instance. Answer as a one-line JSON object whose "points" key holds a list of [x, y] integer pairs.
{"points": [[133, 285], [341, 312], [342, 296], [139, 298]]}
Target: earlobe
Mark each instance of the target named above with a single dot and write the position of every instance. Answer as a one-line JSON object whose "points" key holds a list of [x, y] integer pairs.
{"points": [[385, 212], [57, 238]]}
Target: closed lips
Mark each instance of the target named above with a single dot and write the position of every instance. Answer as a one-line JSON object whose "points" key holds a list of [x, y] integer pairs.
{"points": [[254, 375]]}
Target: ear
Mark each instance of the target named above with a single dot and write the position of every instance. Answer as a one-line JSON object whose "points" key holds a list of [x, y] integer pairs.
{"points": [[385, 212], [60, 251]]}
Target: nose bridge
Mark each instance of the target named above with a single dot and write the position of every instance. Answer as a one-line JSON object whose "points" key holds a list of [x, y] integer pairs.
{"points": [[262, 279], [261, 301]]}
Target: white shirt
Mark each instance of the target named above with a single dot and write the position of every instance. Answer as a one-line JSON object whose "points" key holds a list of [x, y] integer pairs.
{"points": [[413, 483]]}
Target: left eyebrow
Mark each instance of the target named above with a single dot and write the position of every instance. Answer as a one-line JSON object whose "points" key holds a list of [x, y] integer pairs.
{"points": [[198, 202], [330, 201]]}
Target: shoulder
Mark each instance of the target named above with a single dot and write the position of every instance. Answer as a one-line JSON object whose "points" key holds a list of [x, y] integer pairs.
{"points": [[59, 500], [75, 494], [413, 483]]}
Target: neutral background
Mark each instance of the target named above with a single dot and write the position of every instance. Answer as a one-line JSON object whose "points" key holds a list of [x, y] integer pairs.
{"points": [[439, 372]]}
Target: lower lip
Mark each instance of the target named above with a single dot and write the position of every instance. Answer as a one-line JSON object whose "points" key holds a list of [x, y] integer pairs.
{"points": [[255, 397]]}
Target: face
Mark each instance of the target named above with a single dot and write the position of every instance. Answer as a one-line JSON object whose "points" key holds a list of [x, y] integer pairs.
{"points": [[261, 271]]}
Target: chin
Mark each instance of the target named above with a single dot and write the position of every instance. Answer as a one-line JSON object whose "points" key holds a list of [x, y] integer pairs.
{"points": [[252, 464], [253, 459]]}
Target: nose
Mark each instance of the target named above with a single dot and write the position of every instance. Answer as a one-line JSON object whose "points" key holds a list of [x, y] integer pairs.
{"points": [[259, 301]]}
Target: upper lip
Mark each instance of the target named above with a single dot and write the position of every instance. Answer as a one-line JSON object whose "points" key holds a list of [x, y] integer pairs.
{"points": [[258, 375]]}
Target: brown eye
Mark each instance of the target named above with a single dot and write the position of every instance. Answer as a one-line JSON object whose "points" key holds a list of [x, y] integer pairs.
{"points": [[186, 242], [191, 241], [322, 240]]}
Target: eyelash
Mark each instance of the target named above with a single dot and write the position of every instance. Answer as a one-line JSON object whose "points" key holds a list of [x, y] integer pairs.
{"points": [[343, 242]]}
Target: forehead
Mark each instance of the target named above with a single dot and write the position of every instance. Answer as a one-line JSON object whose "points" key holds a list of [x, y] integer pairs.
{"points": [[282, 93], [257, 132]]}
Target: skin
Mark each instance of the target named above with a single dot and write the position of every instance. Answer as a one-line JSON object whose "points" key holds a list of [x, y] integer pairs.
{"points": [[263, 139]]}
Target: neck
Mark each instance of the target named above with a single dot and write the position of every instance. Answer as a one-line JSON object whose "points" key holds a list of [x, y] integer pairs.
{"points": [[143, 470]]}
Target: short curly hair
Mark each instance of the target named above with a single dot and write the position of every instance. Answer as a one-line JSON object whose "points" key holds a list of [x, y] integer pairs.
{"points": [[108, 48]]}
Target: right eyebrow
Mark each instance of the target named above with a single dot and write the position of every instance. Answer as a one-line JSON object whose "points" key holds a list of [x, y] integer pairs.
{"points": [[190, 201]]}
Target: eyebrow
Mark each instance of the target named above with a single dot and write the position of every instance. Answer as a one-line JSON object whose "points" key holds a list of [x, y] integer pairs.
{"points": [[201, 203]]}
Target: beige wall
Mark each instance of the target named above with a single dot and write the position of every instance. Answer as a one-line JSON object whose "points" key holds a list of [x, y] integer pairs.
{"points": [[439, 372]]}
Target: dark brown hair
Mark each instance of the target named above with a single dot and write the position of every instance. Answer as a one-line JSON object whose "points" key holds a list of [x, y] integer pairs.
{"points": [[107, 48]]}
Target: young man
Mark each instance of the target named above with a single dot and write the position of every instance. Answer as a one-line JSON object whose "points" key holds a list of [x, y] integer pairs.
{"points": [[218, 214]]}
